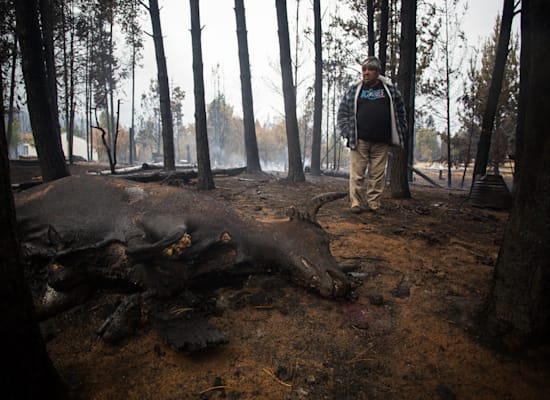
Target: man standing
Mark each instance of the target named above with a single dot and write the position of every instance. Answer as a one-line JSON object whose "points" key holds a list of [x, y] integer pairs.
{"points": [[371, 117]]}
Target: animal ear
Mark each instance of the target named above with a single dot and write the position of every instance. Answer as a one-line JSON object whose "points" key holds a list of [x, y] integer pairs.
{"points": [[291, 212]]}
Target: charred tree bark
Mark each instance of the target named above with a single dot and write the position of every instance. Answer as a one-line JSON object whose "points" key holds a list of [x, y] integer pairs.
{"points": [[28, 371], [488, 120], [318, 101], [295, 168], [383, 44], [399, 184], [41, 98], [250, 142], [205, 180], [518, 309], [370, 27], [70, 128], [524, 85], [46, 20], [164, 89]]}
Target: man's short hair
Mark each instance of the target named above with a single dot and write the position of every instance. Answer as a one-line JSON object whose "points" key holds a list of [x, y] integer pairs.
{"points": [[372, 63]]}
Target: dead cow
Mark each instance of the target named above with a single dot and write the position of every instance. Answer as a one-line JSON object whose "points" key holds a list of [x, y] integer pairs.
{"points": [[158, 238]]}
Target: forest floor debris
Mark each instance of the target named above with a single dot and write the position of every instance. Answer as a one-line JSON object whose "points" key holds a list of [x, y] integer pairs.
{"points": [[424, 266]]}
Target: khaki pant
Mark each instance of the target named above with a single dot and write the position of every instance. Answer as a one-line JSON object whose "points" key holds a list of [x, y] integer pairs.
{"points": [[370, 158]]}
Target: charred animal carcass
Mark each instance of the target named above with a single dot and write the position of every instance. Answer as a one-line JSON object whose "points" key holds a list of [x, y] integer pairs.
{"points": [[160, 239]]}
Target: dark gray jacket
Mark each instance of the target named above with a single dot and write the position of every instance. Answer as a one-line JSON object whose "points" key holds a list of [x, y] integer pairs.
{"points": [[347, 114]]}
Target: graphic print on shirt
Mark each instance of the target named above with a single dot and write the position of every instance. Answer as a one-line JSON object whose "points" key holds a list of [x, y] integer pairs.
{"points": [[372, 94]]}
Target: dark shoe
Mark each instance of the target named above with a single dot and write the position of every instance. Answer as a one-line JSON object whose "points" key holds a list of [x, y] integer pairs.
{"points": [[356, 210]]}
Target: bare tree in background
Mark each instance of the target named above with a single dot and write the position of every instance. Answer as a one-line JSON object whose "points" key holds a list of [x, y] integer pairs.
{"points": [[295, 168], [205, 179], [11, 101], [250, 141], [134, 39], [450, 49], [164, 88]]}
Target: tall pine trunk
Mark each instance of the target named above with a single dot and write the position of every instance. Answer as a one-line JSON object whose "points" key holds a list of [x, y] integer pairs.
{"points": [[46, 20], [488, 121], [88, 91], [28, 372], [383, 45], [164, 89], [131, 139], [66, 72], [110, 103], [371, 39], [72, 106], [41, 96], [250, 141], [518, 309], [448, 94], [295, 168], [70, 129], [205, 179], [399, 183], [318, 101]]}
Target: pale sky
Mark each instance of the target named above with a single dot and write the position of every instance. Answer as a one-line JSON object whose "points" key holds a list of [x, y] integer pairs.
{"points": [[219, 47]]}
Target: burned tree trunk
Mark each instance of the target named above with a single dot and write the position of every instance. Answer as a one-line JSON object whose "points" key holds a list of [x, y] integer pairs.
{"points": [[318, 107], [164, 88], [399, 184], [371, 39], [480, 166], [250, 142], [384, 22], [205, 181], [295, 167], [28, 372], [518, 310], [47, 28], [41, 98]]}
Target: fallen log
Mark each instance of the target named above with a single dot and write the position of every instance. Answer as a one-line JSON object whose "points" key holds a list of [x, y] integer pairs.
{"points": [[426, 177], [145, 173], [158, 175]]}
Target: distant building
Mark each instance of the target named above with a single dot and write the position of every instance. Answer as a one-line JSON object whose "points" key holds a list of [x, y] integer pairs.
{"points": [[26, 148]]}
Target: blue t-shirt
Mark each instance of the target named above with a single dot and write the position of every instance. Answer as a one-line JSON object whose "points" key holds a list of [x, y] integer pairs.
{"points": [[373, 114]]}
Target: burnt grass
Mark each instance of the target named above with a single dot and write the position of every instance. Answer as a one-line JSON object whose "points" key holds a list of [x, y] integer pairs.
{"points": [[421, 268]]}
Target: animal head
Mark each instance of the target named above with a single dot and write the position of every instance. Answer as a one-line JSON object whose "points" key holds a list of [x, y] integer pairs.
{"points": [[306, 249]]}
